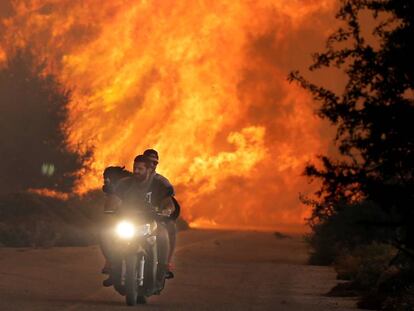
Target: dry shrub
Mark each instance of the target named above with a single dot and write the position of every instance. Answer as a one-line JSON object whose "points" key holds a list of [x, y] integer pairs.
{"points": [[347, 266], [365, 264], [14, 235], [30, 220], [402, 302], [45, 234]]}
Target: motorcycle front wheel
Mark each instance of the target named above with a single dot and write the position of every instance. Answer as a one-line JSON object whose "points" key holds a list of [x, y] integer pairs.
{"points": [[134, 293]]}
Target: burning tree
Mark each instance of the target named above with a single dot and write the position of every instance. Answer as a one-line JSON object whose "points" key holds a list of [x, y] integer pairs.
{"points": [[33, 111], [372, 184]]}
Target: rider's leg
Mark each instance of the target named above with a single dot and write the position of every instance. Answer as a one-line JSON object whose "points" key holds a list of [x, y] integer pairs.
{"points": [[105, 245], [106, 239], [172, 231], [163, 245]]}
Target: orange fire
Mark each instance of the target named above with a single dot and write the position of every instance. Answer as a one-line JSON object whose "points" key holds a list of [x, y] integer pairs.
{"points": [[203, 82]]}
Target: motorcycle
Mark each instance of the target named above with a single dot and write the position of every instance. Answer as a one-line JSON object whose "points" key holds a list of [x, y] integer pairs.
{"points": [[139, 261]]}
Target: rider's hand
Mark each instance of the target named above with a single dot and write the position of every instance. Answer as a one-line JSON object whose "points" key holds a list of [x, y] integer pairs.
{"points": [[166, 212], [167, 207]]}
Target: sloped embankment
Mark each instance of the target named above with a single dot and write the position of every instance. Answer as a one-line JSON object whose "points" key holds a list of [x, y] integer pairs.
{"points": [[28, 219]]}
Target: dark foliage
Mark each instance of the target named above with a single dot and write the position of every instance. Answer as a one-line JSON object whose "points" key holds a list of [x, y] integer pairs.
{"points": [[373, 116], [33, 111], [367, 194], [350, 226], [28, 219]]}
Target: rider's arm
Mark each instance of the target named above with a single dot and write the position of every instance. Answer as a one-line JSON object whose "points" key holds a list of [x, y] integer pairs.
{"points": [[112, 203], [121, 187], [166, 183]]}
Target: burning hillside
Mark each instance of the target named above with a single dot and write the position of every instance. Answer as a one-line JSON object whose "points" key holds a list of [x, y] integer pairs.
{"points": [[203, 82]]}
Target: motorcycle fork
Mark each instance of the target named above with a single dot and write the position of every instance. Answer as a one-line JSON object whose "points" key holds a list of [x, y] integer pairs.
{"points": [[140, 270]]}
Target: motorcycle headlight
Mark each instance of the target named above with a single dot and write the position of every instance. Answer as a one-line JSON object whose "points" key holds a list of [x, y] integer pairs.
{"points": [[125, 230]]}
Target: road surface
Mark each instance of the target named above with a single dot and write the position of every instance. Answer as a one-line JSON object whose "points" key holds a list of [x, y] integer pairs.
{"points": [[215, 270]]}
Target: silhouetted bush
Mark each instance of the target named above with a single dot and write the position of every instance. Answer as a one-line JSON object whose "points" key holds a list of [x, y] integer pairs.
{"points": [[403, 301], [33, 114], [28, 219], [351, 225], [14, 235], [365, 264], [373, 116]]}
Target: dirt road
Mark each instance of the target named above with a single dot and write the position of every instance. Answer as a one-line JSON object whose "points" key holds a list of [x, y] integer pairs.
{"points": [[215, 270]]}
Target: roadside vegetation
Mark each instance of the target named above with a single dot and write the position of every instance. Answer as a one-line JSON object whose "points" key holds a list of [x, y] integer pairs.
{"points": [[35, 156], [362, 214], [32, 220], [33, 112]]}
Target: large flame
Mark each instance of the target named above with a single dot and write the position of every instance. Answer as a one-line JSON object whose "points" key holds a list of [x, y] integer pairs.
{"points": [[203, 82]]}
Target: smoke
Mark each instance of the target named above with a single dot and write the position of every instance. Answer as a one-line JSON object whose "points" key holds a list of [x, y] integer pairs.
{"points": [[203, 83]]}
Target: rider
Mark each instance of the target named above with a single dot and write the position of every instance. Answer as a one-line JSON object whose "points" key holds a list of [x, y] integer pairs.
{"points": [[152, 156], [142, 186], [111, 175]]}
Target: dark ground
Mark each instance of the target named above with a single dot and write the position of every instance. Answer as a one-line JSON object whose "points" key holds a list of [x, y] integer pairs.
{"points": [[215, 270]]}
